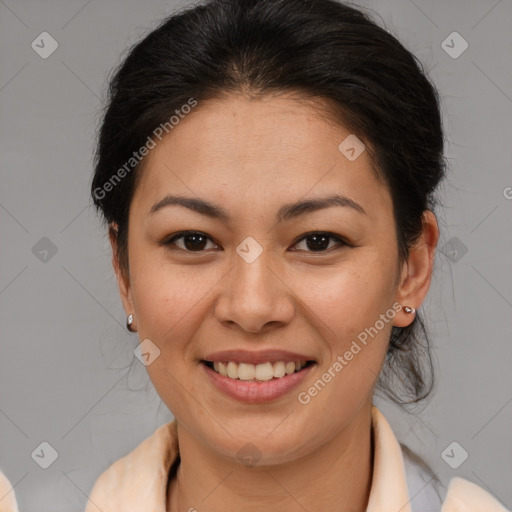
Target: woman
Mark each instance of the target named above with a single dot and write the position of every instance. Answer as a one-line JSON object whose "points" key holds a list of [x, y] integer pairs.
{"points": [[267, 170]]}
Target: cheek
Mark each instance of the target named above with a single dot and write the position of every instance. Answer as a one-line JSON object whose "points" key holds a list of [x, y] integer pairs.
{"points": [[350, 299], [171, 301], [171, 304], [348, 308]]}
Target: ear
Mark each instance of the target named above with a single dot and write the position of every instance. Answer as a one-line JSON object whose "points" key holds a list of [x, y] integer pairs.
{"points": [[123, 280], [417, 271]]}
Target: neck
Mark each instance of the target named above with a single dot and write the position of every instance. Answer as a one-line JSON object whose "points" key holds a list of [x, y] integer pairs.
{"points": [[336, 476]]}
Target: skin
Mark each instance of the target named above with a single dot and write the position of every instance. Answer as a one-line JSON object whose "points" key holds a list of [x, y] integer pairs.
{"points": [[251, 156]]}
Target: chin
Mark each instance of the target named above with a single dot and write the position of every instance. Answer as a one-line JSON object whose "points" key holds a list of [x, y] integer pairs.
{"points": [[257, 444]]}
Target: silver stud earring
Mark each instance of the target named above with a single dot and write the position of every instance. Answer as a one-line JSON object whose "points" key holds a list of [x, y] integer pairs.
{"points": [[408, 309], [129, 322]]}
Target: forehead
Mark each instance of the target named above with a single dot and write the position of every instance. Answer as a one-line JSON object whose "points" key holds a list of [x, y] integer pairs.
{"points": [[259, 151]]}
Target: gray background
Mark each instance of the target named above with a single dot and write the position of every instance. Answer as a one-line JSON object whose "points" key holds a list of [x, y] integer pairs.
{"points": [[65, 355]]}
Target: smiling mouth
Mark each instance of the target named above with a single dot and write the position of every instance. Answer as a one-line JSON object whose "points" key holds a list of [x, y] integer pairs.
{"points": [[257, 372]]}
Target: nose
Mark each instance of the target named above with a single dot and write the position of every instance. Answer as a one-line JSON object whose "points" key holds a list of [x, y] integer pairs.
{"points": [[254, 297]]}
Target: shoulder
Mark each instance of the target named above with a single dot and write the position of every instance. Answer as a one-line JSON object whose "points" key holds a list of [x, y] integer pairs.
{"points": [[465, 496], [426, 490], [7, 497], [139, 476]]}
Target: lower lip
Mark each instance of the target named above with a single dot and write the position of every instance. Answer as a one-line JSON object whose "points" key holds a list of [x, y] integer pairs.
{"points": [[256, 392]]}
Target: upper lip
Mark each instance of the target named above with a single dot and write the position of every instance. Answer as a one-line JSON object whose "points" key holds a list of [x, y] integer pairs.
{"points": [[257, 357]]}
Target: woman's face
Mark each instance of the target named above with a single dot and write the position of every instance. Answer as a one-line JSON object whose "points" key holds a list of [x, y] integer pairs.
{"points": [[256, 283]]}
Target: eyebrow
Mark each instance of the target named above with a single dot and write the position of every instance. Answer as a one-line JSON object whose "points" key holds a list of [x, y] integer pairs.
{"points": [[286, 212]]}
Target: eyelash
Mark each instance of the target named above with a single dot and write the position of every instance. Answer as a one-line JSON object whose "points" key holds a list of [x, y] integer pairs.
{"points": [[170, 241]]}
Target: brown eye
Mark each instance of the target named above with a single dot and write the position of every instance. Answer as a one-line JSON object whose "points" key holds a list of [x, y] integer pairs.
{"points": [[319, 241], [195, 241], [192, 241]]}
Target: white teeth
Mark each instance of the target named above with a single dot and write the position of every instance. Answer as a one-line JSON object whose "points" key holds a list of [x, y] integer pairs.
{"points": [[279, 369], [232, 370], [222, 369], [262, 372], [246, 371], [290, 368]]}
